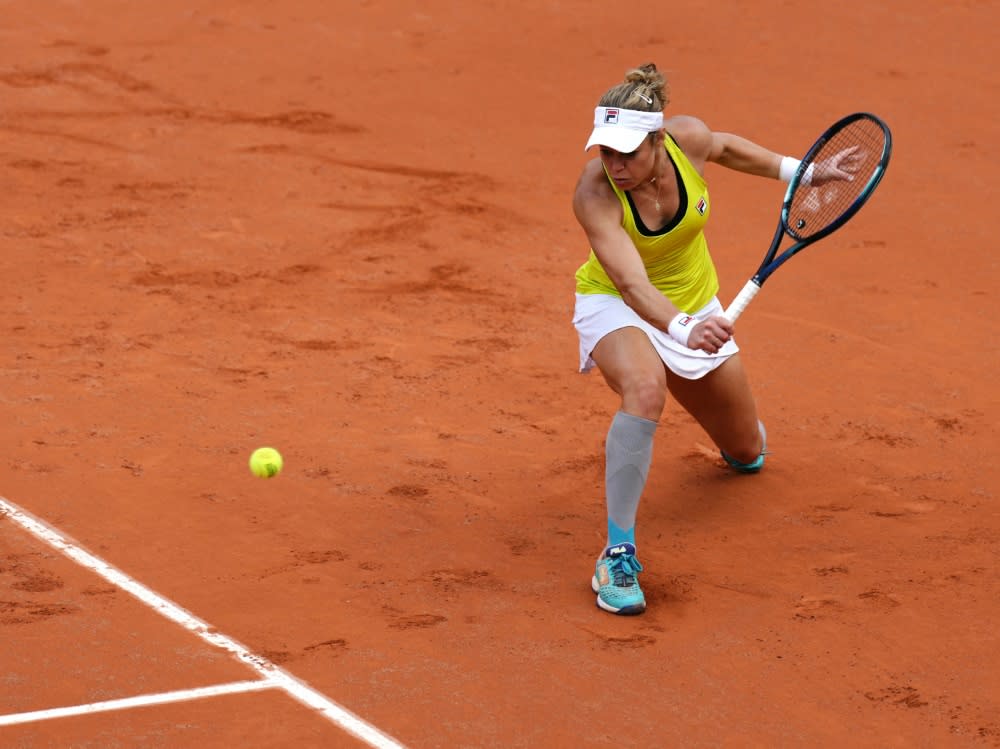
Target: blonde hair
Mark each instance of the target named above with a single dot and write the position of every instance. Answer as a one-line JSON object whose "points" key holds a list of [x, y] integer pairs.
{"points": [[644, 89]]}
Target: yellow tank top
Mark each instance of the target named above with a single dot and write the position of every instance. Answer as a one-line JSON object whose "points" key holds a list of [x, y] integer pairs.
{"points": [[676, 257]]}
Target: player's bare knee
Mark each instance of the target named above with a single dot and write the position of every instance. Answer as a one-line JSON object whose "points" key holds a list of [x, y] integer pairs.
{"points": [[744, 454], [645, 396], [746, 451]]}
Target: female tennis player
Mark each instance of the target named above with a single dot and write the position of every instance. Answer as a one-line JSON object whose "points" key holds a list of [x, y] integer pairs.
{"points": [[646, 312]]}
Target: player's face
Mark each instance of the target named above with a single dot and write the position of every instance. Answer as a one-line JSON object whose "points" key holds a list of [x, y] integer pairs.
{"points": [[629, 170]]}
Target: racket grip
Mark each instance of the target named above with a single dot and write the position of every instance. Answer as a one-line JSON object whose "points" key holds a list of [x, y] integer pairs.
{"points": [[741, 301]]}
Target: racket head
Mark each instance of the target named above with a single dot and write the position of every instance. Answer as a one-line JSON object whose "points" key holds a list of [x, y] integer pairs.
{"points": [[810, 211]]}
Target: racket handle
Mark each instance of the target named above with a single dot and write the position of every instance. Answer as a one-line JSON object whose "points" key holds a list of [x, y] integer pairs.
{"points": [[742, 299]]}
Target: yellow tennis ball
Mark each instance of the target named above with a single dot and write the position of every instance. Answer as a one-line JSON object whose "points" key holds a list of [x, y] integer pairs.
{"points": [[265, 462]]}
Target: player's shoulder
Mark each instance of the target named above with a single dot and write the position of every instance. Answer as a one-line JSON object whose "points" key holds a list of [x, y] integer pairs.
{"points": [[691, 134], [593, 196], [593, 183]]}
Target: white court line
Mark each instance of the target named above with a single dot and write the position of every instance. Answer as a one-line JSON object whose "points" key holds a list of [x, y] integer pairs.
{"points": [[128, 702], [271, 673]]}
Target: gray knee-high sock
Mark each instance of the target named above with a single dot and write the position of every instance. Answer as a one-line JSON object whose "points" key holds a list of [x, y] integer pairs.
{"points": [[628, 453]]}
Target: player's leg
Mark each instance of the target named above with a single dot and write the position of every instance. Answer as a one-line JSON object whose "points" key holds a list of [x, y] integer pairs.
{"points": [[723, 404], [633, 369]]}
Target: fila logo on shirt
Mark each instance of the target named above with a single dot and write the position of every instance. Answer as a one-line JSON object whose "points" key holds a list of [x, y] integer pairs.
{"points": [[610, 116], [701, 206]]}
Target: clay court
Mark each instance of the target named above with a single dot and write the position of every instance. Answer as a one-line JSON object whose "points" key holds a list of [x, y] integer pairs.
{"points": [[346, 232]]}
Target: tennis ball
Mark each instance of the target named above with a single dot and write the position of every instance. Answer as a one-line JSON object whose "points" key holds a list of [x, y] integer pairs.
{"points": [[265, 462]]}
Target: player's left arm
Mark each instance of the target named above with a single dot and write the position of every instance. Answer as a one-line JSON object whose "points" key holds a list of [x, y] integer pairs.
{"points": [[701, 145]]}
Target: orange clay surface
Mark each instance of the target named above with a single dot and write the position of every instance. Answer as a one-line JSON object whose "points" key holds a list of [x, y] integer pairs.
{"points": [[347, 234]]}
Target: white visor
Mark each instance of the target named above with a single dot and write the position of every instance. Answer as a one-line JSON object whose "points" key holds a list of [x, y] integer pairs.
{"points": [[622, 129]]}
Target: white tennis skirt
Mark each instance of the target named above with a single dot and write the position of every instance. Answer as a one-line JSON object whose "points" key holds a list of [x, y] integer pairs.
{"points": [[596, 315]]}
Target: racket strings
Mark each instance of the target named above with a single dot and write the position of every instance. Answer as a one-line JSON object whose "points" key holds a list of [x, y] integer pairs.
{"points": [[815, 207]]}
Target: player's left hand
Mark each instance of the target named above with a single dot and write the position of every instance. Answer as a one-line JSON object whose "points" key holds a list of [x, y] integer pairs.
{"points": [[843, 165]]}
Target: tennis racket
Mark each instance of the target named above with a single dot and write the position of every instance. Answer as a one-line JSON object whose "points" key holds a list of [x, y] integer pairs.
{"points": [[816, 205]]}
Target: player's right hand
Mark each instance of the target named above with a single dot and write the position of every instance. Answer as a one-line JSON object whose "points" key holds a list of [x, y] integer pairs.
{"points": [[710, 335]]}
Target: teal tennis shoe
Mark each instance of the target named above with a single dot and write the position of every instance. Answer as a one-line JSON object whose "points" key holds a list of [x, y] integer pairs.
{"points": [[616, 583]]}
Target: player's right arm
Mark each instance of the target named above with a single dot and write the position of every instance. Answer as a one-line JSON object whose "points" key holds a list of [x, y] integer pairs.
{"points": [[599, 213]]}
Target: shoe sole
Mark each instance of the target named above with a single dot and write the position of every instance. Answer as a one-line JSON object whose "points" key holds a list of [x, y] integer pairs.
{"points": [[623, 611]]}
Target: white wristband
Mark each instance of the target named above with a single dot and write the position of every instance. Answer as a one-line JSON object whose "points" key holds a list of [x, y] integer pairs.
{"points": [[786, 170], [789, 166], [681, 326]]}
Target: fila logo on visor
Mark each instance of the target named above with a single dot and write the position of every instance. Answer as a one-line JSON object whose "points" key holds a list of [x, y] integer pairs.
{"points": [[611, 117]]}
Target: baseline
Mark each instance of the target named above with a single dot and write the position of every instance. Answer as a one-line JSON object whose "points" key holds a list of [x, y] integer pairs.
{"points": [[271, 674], [163, 698]]}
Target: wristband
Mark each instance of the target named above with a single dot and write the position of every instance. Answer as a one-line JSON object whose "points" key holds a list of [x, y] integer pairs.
{"points": [[788, 167], [681, 326]]}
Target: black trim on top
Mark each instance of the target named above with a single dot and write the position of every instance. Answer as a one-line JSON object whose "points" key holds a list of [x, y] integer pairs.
{"points": [[681, 208]]}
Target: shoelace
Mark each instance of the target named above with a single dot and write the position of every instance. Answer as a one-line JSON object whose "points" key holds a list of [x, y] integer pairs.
{"points": [[624, 568]]}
